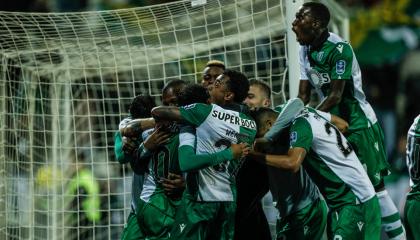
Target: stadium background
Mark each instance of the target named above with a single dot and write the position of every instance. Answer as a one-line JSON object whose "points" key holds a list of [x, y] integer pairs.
{"points": [[385, 35]]}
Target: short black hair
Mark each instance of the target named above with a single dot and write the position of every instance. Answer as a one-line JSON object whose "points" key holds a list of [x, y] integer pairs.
{"points": [[175, 84], [193, 93], [238, 84], [141, 106], [263, 86], [260, 114], [319, 12]]}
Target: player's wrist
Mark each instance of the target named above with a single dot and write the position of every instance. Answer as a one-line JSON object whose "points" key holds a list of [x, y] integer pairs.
{"points": [[144, 150]]}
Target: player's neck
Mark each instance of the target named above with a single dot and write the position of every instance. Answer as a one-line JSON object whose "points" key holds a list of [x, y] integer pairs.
{"points": [[320, 39]]}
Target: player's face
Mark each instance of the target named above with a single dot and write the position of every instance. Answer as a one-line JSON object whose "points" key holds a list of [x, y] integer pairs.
{"points": [[210, 74], [256, 98], [219, 90], [169, 98], [303, 26]]}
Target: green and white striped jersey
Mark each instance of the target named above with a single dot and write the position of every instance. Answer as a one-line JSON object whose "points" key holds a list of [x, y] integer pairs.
{"points": [[137, 180], [335, 60], [216, 129], [291, 191], [330, 161], [413, 155], [164, 160]]}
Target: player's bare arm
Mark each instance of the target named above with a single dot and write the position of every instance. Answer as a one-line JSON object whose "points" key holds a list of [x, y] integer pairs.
{"points": [[135, 127], [340, 123], [166, 113], [334, 98], [304, 91], [292, 161]]}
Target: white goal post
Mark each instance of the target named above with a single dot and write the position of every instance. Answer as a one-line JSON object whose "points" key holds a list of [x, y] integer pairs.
{"points": [[66, 80]]}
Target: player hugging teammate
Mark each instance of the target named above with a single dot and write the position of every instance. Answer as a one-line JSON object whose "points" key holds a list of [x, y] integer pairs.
{"points": [[212, 151]]}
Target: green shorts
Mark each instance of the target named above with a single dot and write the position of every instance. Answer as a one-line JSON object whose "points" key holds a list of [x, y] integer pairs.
{"points": [[361, 221], [157, 216], [370, 149], [132, 230], [412, 217], [204, 220], [308, 223]]}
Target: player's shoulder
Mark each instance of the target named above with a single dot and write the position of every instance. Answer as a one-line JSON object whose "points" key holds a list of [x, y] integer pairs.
{"points": [[308, 117], [338, 45], [415, 127], [196, 106]]}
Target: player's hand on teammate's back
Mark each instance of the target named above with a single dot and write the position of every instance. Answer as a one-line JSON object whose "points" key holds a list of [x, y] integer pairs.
{"points": [[174, 184], [240, 150], [158, 137], [129, 145]]}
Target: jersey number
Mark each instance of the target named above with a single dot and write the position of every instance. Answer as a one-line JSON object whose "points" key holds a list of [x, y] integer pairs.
{"points": [[345, 150], [162, 156]]}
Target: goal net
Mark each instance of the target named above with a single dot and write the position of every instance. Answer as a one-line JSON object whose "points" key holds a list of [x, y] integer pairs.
{"points": [[66, 80]]}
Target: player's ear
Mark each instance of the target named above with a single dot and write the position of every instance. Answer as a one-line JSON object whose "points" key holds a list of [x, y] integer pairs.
{"points": [[269, 123], [229, 96], [266, 102], [316, 24]]}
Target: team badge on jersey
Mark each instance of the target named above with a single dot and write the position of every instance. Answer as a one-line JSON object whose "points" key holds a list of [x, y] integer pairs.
{"points": [[340, 66], [320, 56], [293, 137]]}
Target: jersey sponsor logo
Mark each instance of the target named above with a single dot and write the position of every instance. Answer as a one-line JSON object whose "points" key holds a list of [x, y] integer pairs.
{"points": [[233, 119], [293, 137], [305, 230], [189, 106], [340, 48], [181, 227], [360, 225], [318, 79], [340, 67]]}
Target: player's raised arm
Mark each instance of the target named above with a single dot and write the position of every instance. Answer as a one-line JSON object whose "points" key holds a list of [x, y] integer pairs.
{"points": [[334, 98], [135, 127], [167, 113]]}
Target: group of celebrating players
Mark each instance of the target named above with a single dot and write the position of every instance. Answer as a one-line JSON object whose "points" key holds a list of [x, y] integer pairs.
{"points": [[203, 161]]}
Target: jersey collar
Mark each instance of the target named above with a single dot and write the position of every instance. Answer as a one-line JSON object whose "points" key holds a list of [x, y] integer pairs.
{"points": [[317, 43]]}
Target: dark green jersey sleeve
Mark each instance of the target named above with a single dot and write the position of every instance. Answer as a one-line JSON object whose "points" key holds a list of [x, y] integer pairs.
{"points": [[342, 61], [119, 153], [196, 113], [189, 160], [301, 134]]}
